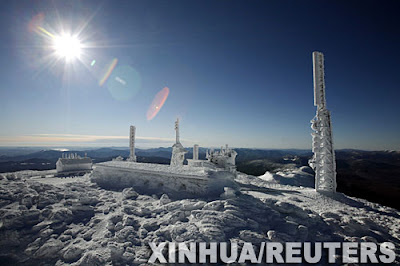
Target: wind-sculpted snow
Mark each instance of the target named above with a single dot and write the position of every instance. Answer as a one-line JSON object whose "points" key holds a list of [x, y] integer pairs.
{"points": [[74, 222], [299, 177]]}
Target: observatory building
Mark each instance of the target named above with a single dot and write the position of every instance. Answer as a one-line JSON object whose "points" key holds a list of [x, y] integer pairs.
{"points": [[73, 164], [199, 177]]}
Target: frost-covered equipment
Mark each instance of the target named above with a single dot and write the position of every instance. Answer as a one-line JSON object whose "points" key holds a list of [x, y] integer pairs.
{"points": [[224, 158], [132, 156], [195, 162], [323, 161], [178, 151], [195, 152]]}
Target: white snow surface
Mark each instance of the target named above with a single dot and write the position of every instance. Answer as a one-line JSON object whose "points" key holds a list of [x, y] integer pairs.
{"points": [[71, 221], [302, 176]]}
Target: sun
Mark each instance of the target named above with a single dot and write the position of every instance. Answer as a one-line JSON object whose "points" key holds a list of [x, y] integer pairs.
{"points": [[67, 46]]}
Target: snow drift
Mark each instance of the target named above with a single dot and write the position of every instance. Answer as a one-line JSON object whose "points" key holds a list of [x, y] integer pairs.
{"points": [[73, 221]]}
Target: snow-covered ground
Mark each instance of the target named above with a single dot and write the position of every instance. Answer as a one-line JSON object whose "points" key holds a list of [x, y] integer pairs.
{"points": [[302, 176], [71, 221]]}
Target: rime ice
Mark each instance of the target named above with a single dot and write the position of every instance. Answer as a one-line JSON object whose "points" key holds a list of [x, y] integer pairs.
{"points": [[178, 151], [200, 177], [73, 164], [323, 161], [132, 156]]}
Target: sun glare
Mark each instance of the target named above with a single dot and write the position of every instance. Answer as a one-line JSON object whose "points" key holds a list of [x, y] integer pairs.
{"points": [[68, 47]]}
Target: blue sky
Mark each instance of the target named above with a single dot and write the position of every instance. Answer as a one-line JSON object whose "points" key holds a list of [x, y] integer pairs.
{"points": [[239, 72]]}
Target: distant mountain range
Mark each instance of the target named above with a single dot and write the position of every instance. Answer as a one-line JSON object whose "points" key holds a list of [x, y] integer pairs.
{"points": [[373, 175], [21, 154]]}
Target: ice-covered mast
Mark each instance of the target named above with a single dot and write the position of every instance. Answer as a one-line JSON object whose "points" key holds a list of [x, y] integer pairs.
{"points": [[323, 161], [177, 130], [132, 156], [178, 152]]}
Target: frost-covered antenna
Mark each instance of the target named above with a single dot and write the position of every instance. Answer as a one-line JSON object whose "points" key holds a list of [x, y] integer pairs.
{"points": [[319, 80], [323, 161], [178, 151], [177, 130], [132, 133]]}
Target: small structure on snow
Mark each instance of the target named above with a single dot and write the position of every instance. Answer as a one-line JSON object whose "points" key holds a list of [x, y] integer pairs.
{"points": [[118, 158], [195, 162], [73, 164]]}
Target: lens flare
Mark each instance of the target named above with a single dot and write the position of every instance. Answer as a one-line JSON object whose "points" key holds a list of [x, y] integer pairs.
{"points": [[157, 103], [36, 25], [108, 71], [36, 22], [123, 83]]}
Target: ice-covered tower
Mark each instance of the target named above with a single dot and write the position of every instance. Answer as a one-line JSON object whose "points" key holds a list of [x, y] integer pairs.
{"points": [[177, 130], [195, 152], [178, 152], [132, 156], [323, 161]]}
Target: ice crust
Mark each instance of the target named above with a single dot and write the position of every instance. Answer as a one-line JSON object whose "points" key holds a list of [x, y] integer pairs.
{"points": [[159, 168], [178, 181], [72, 221]]}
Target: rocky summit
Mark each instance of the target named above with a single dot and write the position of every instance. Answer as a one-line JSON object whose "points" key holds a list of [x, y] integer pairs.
{"points": [[72, 221]]}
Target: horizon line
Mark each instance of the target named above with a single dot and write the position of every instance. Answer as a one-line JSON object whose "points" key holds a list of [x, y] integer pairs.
{"points": [[55, 147]]}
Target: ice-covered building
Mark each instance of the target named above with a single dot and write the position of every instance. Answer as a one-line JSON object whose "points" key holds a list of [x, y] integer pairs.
{"points": [[199, 177], [223, 159], [73, 164]]}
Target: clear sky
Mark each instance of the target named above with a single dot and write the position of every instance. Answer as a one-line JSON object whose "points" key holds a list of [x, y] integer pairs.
{"points": [[238, 72]]}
